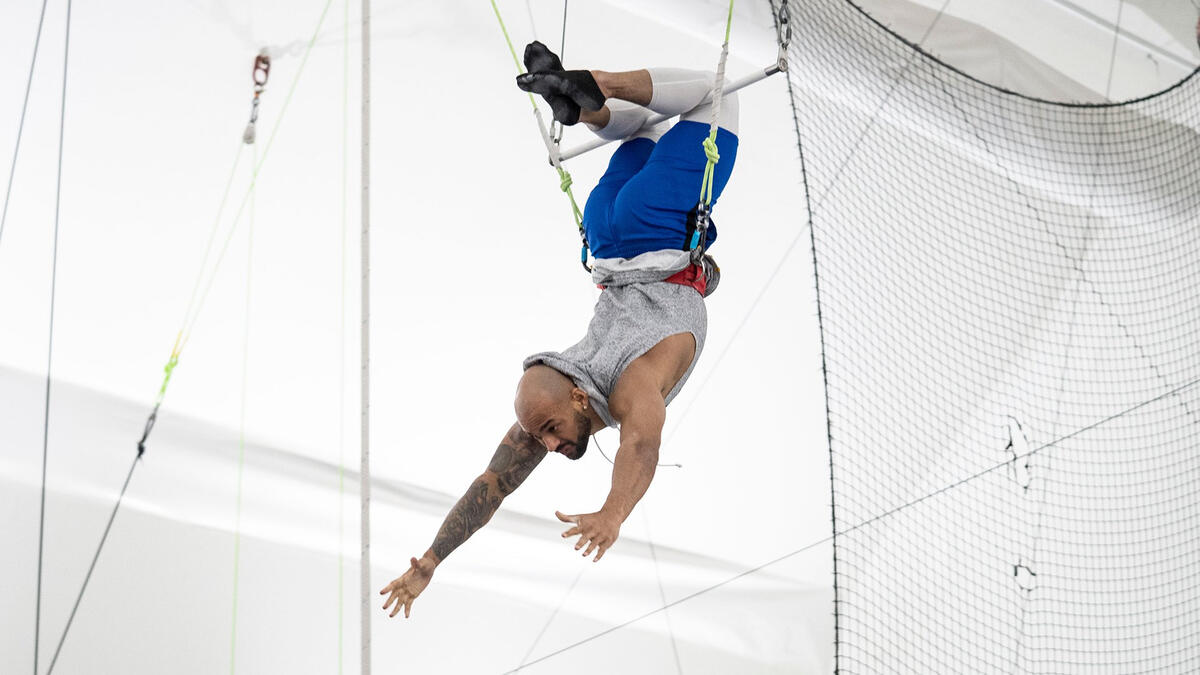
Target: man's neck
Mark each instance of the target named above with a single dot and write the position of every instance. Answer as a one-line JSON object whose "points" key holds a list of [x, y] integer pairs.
{"points": [[595, 423]]}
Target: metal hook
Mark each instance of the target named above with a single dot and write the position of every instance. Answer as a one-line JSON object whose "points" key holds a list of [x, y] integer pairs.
{"points": [[783, 33], [260, 75], [262, 70], [784, 29]]}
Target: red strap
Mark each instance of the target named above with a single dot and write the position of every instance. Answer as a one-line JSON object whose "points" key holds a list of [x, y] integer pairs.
{"points": [[692, 275]]}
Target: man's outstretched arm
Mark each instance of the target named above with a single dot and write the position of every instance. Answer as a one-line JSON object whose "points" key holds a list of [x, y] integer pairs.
{"points": [[514, 460], [639, 405]]}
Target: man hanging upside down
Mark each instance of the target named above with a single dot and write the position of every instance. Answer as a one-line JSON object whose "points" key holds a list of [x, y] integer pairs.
{"points": [[650, 321]]}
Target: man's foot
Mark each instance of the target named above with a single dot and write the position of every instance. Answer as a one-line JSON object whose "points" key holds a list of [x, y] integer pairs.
{"points": [[539, 59], [565, 111], [579, 85]]}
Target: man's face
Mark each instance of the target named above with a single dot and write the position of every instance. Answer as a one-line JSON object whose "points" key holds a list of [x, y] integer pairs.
{"points": [[565, 431], [550, 408]]}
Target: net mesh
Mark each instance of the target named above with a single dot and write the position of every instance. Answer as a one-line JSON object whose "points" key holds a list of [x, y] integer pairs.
{"points": [[1010, 305]]}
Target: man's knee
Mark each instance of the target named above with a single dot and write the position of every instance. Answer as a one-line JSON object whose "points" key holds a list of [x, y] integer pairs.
{"points": [[728, 119]]}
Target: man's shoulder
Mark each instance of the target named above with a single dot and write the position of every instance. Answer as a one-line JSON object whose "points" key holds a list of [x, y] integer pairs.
{"points": [[654, 373]]}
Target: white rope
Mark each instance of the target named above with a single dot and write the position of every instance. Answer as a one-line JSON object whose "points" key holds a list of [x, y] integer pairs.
{"points": [[718, 88]]}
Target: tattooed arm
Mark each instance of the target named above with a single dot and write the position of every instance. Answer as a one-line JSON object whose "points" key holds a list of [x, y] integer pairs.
{"points": [[514, 460]]}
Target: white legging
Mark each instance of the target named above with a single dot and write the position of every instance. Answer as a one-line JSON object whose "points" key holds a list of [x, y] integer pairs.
{"points": [[675, 91]]}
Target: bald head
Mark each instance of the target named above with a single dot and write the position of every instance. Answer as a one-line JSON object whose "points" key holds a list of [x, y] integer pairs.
{"points": [[541, 388], [551, 408]]}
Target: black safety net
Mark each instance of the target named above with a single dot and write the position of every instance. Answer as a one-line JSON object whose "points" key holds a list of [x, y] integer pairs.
{"points": [[1009, 297]]}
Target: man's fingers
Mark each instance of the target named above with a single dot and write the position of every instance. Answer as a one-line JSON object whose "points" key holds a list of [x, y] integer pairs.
{"points": [[401, 601], [570, 532], [565, 518], [601, 553], [408, 607], [591, 547], [583, 539], [395, 598]]}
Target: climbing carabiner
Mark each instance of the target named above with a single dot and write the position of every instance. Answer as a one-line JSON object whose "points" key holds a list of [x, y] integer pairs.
{"points": [[262, 70], [783, 34]]}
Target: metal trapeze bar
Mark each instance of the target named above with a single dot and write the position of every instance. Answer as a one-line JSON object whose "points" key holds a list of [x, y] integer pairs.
{"points": [[756, 76]]}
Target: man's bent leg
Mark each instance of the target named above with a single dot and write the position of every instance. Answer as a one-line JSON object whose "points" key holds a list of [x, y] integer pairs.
{"points": [[598, 223], [651, 211], [634, 86], [681, 92], [667, 91], [619, 120]]}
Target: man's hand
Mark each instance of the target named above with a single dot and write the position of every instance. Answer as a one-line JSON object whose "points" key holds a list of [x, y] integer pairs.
{"points": [[408, 586], [598, 530]]}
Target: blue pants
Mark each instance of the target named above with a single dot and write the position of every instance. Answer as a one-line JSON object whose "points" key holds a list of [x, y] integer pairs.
{"points": [[642, 200]]}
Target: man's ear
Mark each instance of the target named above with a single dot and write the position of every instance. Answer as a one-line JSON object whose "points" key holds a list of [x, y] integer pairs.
{"points": [[579, 396]]}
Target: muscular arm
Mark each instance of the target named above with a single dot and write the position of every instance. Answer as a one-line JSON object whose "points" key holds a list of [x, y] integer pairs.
{"points": [[643, 413], [640, 406], [516, 457], [514, 460], [638, 402]]}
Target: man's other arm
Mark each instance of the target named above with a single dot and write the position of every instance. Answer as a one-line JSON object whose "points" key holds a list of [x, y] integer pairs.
{"points": [[638, 403]]}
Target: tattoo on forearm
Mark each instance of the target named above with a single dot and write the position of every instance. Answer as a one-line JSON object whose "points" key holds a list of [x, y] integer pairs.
{"points": [[471, 512], [512, 465], [514, 460]]}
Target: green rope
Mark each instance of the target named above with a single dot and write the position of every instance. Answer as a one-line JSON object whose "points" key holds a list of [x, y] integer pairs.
{"points": [[710, 143], [196, 301], [241, 451], [564, 177], [710, 151], [257, 168], [511, 50], [168, 369], [212, 236], [564, 183]]}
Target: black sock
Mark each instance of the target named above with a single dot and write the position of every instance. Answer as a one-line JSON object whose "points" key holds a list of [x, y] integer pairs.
{"points": [[577, 84], [539, 59], [566, 111]]}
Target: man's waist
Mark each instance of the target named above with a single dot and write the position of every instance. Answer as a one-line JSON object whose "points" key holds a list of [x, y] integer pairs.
{"points": [[647, 267]]}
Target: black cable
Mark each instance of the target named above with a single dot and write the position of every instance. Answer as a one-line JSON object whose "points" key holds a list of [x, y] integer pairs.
{"points": [[820, 326], [872, 520], [672, 604], [556, 127], [112, 516], [21, 125], [1112, 59], [546, 626], [50, 342], [562, 43]]}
